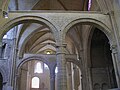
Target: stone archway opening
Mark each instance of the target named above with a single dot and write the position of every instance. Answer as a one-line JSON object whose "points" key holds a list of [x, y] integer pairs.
{"points": [[34, 75], [101, 64], [30, 33], [77, 38], [73, 40]]}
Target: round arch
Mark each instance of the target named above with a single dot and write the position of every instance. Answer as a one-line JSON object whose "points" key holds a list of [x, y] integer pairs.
{"points": [[31, 58], [76, 62], [25, 60], [90, 21], [99, 24], [33, 19], [88, 43]]}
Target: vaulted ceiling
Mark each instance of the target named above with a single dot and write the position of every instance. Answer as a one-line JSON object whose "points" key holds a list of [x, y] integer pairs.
{"points": [[42, 39], [77, 5]]}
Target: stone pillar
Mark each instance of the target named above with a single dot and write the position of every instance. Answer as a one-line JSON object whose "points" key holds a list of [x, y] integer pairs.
{"points": [[6, 86], [116, 63], [52, 80], [61, 64], [7, 51]]}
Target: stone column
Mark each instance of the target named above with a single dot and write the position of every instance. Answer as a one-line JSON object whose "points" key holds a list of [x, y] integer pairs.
{"points": [[6, 86], [61, 64], [52, 80], [7, 51], [116, 63]]}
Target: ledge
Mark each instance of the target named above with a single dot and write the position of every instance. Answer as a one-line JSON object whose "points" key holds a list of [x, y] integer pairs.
{"points": [[52, 11]]}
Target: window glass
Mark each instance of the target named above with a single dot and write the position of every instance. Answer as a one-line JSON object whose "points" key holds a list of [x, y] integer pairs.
{"points": [[38, 68], [35, 82]]}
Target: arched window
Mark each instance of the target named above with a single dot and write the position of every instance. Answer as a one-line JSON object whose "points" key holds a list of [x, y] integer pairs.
{"points": [[56, 70], [89, 4], [35, 82], [38, 68]]}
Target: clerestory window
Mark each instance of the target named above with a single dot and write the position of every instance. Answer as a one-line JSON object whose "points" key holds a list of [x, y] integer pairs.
{"points": [[89, 4], [38, 68]]}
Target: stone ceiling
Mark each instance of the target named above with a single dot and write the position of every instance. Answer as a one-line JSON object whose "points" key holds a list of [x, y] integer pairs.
{"points": [[43, 39], [77, 5]]}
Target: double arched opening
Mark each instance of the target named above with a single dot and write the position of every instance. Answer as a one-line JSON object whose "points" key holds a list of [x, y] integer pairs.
{"points": [[29, 35], [89, 39], [34, 35]]}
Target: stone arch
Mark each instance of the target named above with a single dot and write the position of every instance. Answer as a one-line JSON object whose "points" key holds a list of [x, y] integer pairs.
{"points": [[24, 60], [31, 18], [101, 25], [27, 59], [110, 40], [97, 23], [76, 62]]}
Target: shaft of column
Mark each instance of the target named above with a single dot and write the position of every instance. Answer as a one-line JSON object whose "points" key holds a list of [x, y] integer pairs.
{"points": [[61, 64], [52, 81]]}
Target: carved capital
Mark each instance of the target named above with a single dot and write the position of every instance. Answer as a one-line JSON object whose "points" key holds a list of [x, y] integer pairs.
{"points": [[62, 45], [61, 48], [110, 13], [113, 48]]}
